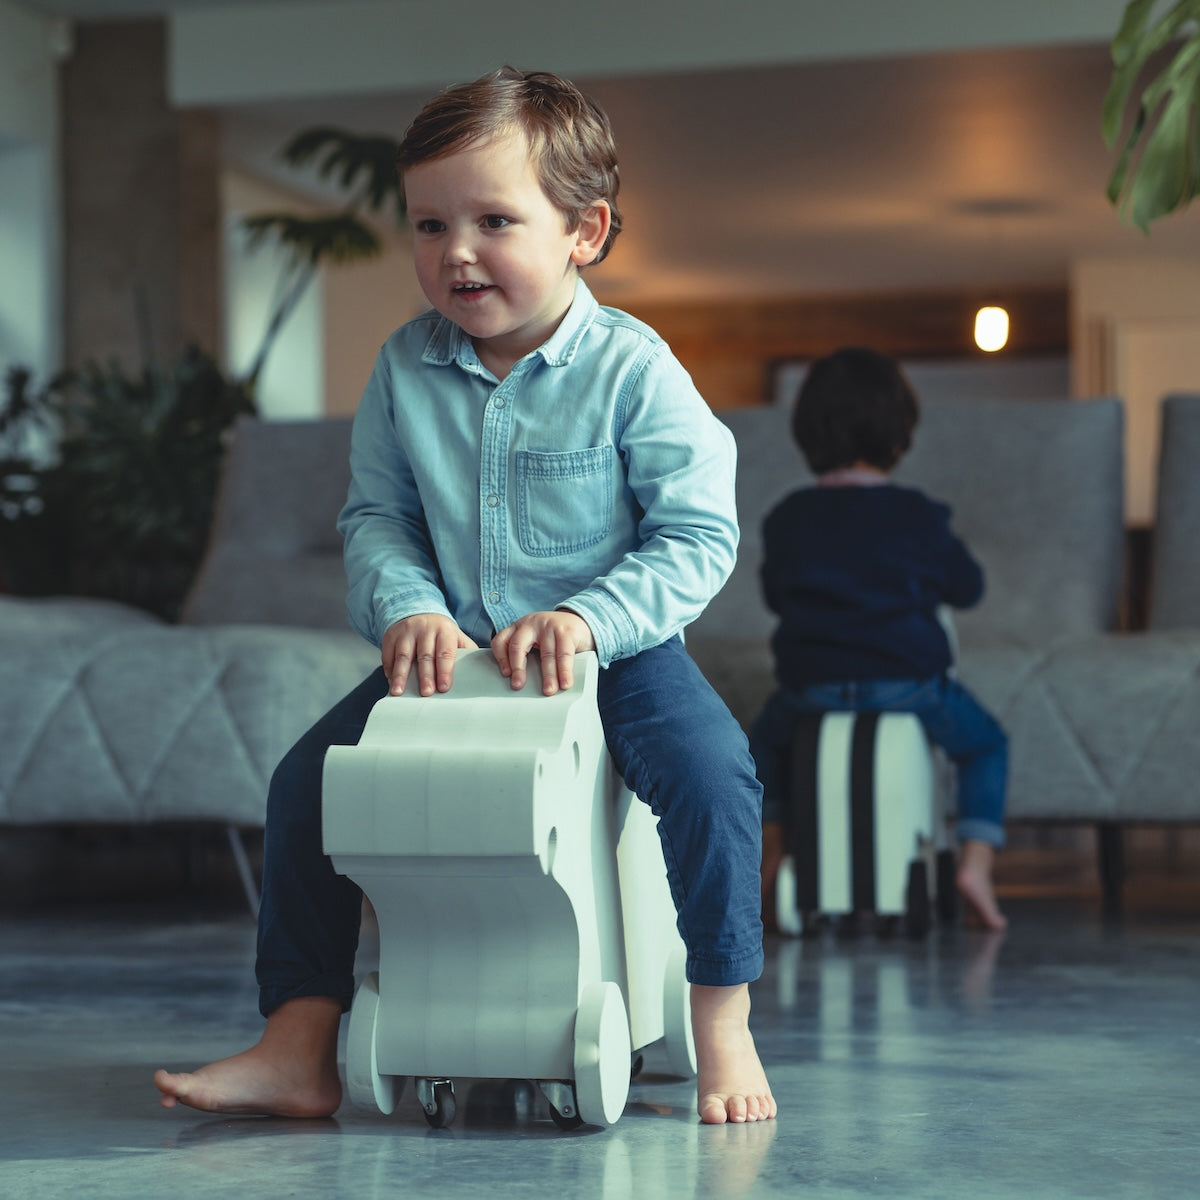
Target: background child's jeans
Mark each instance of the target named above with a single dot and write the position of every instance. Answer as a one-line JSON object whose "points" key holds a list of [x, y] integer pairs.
{"points": [[674, 742], [952, 717]]}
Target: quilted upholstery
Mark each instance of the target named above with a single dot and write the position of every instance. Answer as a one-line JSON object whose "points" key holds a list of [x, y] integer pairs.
{"points": [[128, 720]]}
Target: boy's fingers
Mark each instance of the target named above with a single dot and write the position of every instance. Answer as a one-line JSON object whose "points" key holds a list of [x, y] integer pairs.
{"points": [[398, 674], [549, 664], [443, 672], [565, 662]]}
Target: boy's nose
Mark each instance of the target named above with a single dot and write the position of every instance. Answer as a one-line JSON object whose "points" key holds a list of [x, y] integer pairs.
{"points": [[459, 250]]}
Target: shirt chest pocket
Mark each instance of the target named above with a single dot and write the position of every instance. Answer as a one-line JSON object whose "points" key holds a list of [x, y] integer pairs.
{"points": [[564, 499]]}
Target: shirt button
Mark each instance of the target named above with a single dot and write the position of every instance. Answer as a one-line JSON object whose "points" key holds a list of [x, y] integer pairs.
{"points": [[492, 500], [494, 597], [499, 402]]}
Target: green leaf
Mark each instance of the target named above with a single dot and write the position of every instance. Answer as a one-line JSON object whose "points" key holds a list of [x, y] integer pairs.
{"points": [[1163, 177]]}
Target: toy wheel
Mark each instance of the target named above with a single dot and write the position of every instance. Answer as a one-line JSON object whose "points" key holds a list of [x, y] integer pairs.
{"points": [[566, 1120], [916, 912], [947, 886], [368, 1089], [439, 1105], [602, 1053], [678, 1041]]}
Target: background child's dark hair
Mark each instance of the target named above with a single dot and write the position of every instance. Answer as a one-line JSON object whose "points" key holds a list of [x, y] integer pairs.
{"points": [[854, 406], [570, 138]]}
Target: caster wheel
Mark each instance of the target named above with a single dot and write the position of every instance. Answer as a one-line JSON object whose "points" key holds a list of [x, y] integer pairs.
{"points": [[602, 1054], [566, 1120], [678, 1041], [637, 1066], [916, 913], [367, 1088], [564, 1107], [437, 1101], [947, 887]]}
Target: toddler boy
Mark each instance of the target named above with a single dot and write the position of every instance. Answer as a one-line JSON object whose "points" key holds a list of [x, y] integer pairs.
{"points": [[537, 473], [856, 569]]}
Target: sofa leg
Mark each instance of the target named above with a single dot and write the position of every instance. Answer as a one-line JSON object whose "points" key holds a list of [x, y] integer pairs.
{"points": [[1111, 862], [243, 867]]}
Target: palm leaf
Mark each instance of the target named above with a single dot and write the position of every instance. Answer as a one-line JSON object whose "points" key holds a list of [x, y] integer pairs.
{"points": [[340, 239], [350, 158]]}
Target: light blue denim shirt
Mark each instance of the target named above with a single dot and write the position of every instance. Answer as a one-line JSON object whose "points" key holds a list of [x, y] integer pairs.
{"points": [[594, 478]]}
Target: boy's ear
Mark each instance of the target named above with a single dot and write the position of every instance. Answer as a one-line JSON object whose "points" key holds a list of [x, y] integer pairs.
{"points": [[591, 234]]}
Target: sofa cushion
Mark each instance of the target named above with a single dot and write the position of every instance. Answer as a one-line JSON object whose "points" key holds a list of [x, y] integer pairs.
{"points": [[1100, 727], [274, 555], [149, 722]]}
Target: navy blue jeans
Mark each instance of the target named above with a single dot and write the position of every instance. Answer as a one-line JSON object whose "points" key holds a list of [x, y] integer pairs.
{"points": [[953, 719], [675, 744]]}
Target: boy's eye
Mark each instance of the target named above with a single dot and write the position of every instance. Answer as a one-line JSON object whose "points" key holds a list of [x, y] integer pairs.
{"points": [[430, 226], [495, 221]]}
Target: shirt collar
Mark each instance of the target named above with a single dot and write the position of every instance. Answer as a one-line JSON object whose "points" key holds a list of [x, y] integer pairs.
{"points": [[448, 343], [851, 477]]}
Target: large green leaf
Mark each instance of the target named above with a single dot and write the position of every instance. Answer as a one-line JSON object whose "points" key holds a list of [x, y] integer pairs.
{"points": [[1158, 165], [351, 157]]}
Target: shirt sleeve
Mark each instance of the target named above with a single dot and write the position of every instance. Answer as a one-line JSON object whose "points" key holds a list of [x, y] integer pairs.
{"points": [[680, 464], [391, 566]]}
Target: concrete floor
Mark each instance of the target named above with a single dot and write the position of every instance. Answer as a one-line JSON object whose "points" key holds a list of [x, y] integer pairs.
{"points": [[1060, 1060]]}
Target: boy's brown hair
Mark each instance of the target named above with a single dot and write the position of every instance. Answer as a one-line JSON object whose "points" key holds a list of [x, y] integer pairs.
{"points": [[570, 139]]}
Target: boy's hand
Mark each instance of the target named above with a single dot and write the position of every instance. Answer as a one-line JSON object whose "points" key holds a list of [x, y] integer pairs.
{"points": [[432, 641], [558, 637]]}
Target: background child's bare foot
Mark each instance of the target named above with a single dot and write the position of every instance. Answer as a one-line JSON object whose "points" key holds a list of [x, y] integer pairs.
{"points": [[732, 1085], [290, 1072], [975, 886], [772, 856]]}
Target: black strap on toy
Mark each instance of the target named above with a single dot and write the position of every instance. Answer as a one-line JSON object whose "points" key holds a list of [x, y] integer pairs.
{"points": [[803, 837], [862, 811]]}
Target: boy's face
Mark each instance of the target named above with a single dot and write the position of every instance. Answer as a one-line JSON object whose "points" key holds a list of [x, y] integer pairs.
{"points": [[491, 252]]}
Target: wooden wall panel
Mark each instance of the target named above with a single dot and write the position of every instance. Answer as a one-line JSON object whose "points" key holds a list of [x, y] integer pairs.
{"points": [[732, 347]]}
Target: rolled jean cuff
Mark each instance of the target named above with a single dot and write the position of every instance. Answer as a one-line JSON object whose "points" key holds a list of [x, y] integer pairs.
{"points": [[973, 829], [334, 987], [725, 972]]}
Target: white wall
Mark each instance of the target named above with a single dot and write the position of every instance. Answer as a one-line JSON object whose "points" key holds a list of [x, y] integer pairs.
{"points": [[1135, 333], [30, 238]]}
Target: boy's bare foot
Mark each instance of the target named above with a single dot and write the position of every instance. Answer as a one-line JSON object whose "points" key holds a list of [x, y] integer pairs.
{"points": [[974, 882], [290, 1072], [732, 1085]]}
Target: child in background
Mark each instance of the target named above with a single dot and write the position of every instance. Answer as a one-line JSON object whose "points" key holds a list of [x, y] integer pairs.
{"points": [[537, 473], [856, 568]]}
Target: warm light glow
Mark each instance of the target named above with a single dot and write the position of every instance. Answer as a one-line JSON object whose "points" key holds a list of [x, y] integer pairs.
{"points": [[991, 328]]}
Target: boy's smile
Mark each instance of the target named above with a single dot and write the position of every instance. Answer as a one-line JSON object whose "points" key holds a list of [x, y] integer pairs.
{"points": [[491, 252]]}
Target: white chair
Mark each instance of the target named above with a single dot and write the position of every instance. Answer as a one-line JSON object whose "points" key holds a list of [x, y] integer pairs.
{"points": [[526, 928]]}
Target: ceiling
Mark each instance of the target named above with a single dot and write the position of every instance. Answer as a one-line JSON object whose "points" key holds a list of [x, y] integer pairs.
{"points": [[952, 170]]}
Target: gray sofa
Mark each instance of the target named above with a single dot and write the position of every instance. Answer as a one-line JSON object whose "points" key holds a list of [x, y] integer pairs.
{"points": [[108, 715], [1102, 723]]}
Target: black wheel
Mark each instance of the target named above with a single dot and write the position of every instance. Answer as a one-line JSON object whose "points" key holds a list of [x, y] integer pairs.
{"points": [[636, 1066], [947, 887], [916, 913], [441, 1111], [566, 1120]]}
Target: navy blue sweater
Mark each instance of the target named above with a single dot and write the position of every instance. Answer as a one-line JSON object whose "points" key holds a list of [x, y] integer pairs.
{"points": [[856, 575]]}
